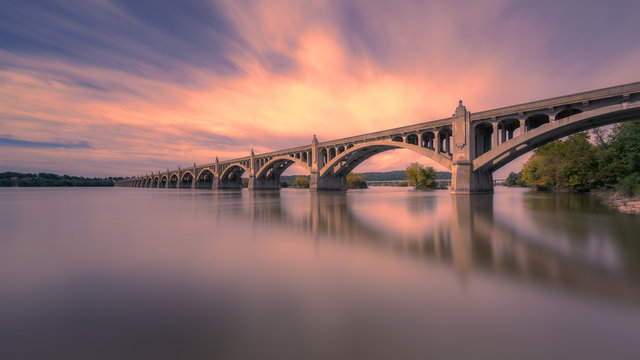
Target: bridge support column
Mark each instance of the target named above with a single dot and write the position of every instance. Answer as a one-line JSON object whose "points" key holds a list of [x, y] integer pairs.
{"points": [[193, 178], [323, 183], [464, 180], [218, 184], [327, 183], [264, 184]]}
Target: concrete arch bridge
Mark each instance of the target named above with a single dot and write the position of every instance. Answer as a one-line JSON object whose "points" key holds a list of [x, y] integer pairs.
{"points": [[471, 145]]}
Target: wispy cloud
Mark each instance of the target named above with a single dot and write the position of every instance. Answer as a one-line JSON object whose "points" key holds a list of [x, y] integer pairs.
{"points": [[153, 84], [43, 144]]}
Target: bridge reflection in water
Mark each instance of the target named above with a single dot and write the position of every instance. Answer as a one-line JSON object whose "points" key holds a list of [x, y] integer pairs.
{"points": [[460, 231]]}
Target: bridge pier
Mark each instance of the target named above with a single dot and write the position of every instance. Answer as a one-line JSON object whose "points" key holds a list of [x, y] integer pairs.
{"points": [[233, 184], [264, 184], [464, 180], [327, 183]]}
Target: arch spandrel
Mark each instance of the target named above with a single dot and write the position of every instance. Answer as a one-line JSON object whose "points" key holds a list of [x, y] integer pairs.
{"points": [[233, 167], [532, 139], [287, 160], [357, 154], [204, 171], [185, 173]]}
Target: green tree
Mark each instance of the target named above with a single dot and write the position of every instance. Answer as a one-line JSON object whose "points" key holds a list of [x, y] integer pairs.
{"points": [[301, 182], [421, 177], [564, 165], [514, 179], [622, 158], [356, 181]]}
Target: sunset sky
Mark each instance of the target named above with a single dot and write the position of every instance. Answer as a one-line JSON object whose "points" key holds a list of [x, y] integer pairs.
{"points": [[123, 87]]}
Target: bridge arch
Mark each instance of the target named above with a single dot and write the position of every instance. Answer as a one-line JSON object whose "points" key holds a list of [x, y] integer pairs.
{"points": [[277, 165], [205, 172], [231, 176], [532, 139], [187, 174], [204, 178], [185, 180], [345, 162], [174, 179], [164, 179]]}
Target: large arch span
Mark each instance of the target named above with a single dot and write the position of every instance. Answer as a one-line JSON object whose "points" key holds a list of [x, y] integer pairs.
{"points": [[554, 130], [346, 161]]}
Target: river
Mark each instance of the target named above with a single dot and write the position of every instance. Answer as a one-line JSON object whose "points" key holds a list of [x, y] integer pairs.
{"points": [[126, 273]]}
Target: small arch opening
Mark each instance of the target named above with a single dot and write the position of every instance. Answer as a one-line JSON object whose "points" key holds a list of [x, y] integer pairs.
{"points": [[428, 140], [332, 153], [412, 139], [567, 112], [507, 129], [483, 134], [444, 141], [536, 121]]}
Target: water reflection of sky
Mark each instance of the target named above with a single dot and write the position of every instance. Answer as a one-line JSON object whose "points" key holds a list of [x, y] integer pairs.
{"points": [[146, 273]]}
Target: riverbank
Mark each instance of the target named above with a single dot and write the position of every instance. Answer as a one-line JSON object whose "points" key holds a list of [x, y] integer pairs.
{"points": [[624, 204]]}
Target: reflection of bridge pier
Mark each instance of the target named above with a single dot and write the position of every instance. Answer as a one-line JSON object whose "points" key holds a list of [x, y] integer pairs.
{"points": [[471, 240], [469, 213]]}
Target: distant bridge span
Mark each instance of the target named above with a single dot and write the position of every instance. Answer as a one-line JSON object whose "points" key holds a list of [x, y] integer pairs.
{"points": [[471, 145]]}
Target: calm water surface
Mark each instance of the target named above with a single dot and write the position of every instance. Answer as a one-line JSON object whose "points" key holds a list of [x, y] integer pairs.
{"points": [[120, 273]]}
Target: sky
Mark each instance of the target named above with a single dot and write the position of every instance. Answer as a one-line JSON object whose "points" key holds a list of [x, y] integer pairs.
{"points": [[120, 87]]}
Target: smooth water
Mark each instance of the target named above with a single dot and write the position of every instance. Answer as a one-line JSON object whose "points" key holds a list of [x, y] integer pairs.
{"points": [[122, 273]]}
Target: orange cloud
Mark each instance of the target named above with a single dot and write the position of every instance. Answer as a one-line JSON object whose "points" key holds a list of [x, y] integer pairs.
{"points": [[329, 68]]}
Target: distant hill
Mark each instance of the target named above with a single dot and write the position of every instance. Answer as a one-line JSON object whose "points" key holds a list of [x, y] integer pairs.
{"points": [[380, 176], [9, 179]]}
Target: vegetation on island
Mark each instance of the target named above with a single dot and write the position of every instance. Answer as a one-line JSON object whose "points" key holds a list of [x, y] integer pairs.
{"points": [[301, 182], [10, 179], [578, 164], [514, 179], [421, 177], [356, 181]]}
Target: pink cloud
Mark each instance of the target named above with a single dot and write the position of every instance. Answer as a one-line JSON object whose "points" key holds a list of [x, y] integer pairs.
{"points": [[320, 68]]}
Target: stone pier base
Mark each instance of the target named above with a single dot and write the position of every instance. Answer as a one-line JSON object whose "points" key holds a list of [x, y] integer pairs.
{"points": [[465, 181], [264, 184], [327, 183], [217, 184]]}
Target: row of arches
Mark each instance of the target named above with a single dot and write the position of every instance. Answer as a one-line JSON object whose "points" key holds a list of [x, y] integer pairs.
{"points": [[435, 140], [492, 134], [487, 136]]}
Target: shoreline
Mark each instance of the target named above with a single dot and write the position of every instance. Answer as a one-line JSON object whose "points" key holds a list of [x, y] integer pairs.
{"points": [[624, 204]]}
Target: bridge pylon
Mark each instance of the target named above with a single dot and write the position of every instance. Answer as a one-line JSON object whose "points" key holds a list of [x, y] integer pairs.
{"points": [[464, 180]]}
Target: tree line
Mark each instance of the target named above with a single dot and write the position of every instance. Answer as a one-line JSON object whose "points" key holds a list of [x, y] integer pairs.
{"points": [[9, 179], [578, 164]]}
